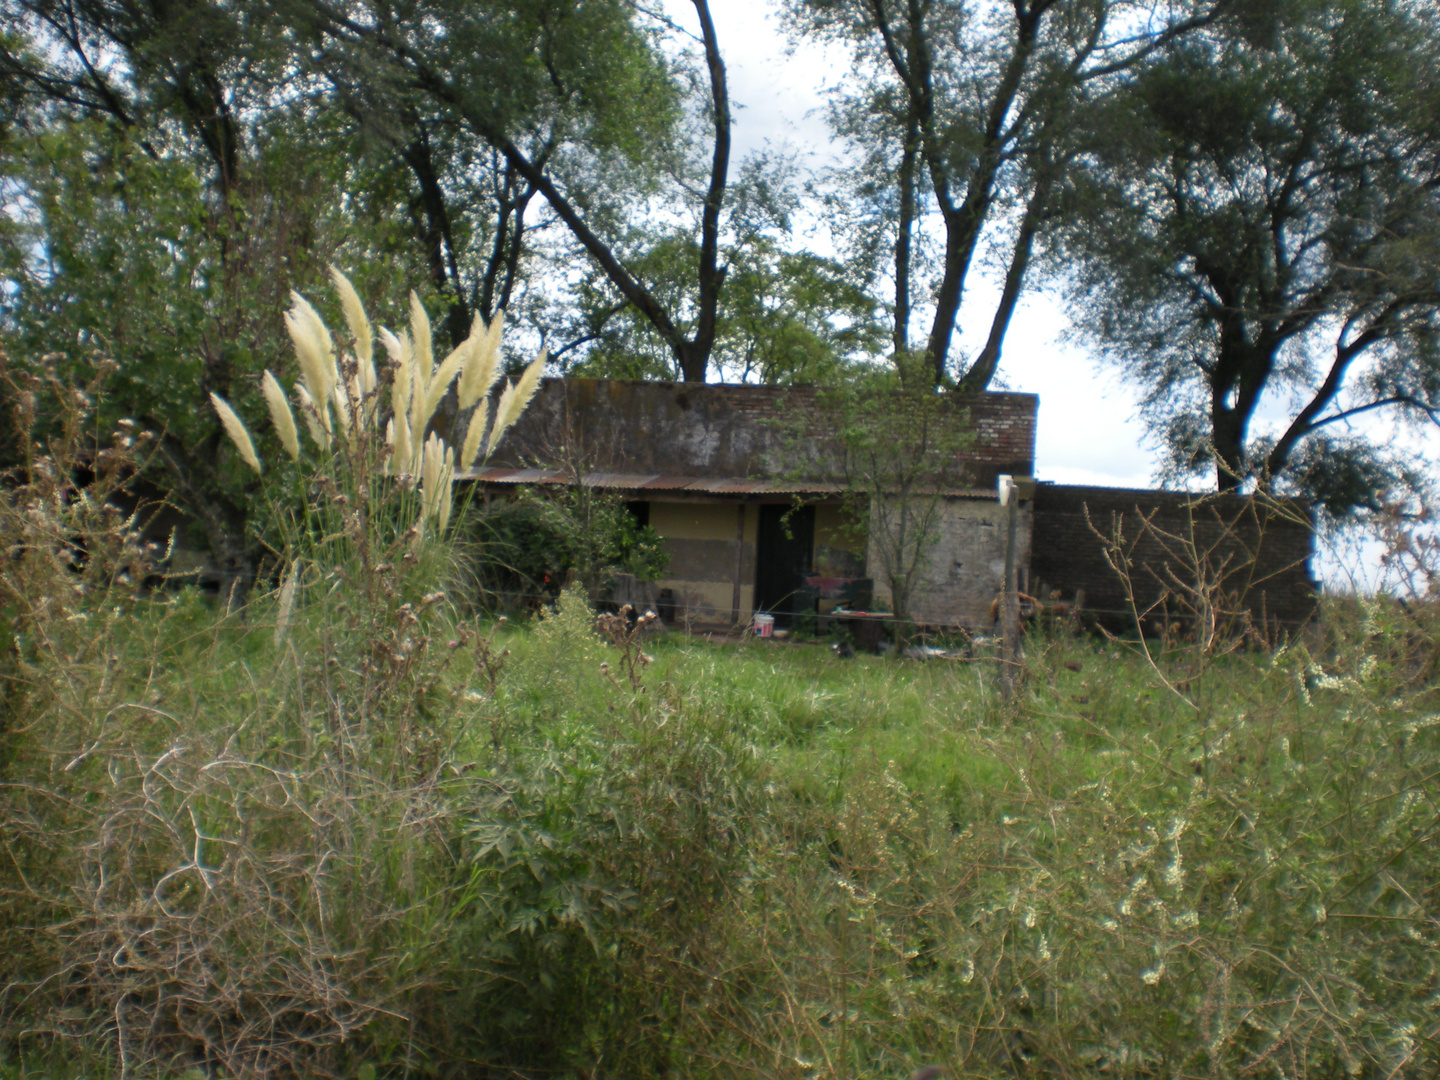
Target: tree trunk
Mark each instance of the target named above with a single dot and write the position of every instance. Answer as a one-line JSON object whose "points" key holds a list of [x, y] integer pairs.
{"points": [[905, 225], [439, 241], [695, 355]]}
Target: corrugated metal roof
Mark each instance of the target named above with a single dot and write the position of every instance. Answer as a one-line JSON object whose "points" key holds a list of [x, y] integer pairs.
{"points": [[619, 480], [670, 482], [698, 485]]}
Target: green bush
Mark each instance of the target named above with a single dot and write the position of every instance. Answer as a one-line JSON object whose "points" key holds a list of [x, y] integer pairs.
{"points": [[529, 545]]}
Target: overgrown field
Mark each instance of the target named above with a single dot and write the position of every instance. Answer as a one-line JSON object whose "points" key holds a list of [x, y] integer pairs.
{"points": [[352, 828], [393, 840]]}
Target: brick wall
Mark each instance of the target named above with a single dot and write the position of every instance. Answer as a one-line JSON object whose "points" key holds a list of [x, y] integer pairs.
{"points": [[1261, 556]]}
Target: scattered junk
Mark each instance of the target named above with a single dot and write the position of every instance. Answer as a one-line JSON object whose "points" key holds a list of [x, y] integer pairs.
{"points": [[865, 628], [933, 652]]}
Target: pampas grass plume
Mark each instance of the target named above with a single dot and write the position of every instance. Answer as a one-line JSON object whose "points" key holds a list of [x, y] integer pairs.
{"points": [[402, 452], [280, 415], [424, 350], [359, 328], [432, 462], [395, 346], [444, 376], [287, 602], [513, 401], [343, 406], [314, 351], [312, 417], [235, 428], [403, 384], [482, 366], [445, 496], [474, 434]]}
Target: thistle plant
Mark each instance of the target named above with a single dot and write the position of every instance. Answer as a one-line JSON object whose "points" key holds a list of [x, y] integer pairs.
{"points": [[340, 397]]}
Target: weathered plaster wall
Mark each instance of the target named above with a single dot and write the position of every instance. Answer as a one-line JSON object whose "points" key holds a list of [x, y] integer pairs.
{"points": [[716, 430], [966, 567]]}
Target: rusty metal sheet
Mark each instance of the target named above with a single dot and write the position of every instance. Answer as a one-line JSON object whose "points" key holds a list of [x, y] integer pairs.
{"points": [[669, 483], [802, 487], [616, 480], [487, 475], [512, 476], [699, 485], [728, 485]]}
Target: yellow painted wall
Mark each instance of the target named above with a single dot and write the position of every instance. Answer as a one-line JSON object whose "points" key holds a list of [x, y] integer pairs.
{"points": [[705, 593], [707, 602], [699, 521], [833, 529]]}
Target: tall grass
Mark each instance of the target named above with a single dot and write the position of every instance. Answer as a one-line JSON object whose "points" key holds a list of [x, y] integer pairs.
{"points": [[353, 830]]}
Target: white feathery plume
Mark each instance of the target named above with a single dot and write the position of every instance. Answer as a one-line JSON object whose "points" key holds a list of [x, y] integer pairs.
{"points": [[359, 328], [482, 366], [419, 419], [402, 390], [513, 401], [235, 428], [314, 349], [420, 332], [318, 431], [280, 415], [474, 434], [401, 357], [366, 402], [343, 406], [402, 453], [446, 495], [432, 461], [394, 346], [444, 376], [287, 602]]}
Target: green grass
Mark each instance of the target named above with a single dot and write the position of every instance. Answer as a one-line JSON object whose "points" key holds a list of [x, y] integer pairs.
{"points": [[766, 862]]}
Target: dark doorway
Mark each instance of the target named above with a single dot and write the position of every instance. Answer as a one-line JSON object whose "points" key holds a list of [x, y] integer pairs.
{"points": [[784, 548], [640, 511]]}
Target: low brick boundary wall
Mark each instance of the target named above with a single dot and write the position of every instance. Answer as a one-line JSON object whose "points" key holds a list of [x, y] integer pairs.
{"points": [[1259, 553]]}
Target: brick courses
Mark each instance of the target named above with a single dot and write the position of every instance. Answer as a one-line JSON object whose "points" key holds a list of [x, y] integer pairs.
{"points": [[1261, 555]]}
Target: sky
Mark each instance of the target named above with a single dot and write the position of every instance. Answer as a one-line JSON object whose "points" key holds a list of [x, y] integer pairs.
{"points": [[1087, 432]]}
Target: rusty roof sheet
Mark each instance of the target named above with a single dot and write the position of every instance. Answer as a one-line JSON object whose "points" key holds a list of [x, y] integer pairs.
{"points": [[615, 480], [698, 485]]}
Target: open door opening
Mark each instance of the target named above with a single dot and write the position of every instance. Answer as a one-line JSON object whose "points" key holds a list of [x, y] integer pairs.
{"points": [[784, 551]]}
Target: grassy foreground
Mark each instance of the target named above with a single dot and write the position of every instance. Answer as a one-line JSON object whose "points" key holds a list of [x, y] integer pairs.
{"points": [[376, 837]]}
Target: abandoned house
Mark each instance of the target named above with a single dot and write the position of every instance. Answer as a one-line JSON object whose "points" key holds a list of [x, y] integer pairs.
{"points": [[763, 497]]}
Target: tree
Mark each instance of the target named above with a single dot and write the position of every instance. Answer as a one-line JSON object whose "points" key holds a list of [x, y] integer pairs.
{"points": [[163, 198], [968, 105], [787, 318], [171, 175], [1264, 234], [575, 98], [894, 445]]}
